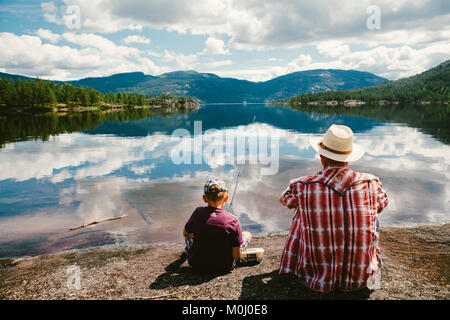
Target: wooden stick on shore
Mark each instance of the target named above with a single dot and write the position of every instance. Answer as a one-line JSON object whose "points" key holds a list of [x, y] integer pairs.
{"points": [[154, 297], [97, 222]]}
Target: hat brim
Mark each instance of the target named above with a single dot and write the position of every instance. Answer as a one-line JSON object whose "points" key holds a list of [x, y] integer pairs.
{"points": [[356, 154]]}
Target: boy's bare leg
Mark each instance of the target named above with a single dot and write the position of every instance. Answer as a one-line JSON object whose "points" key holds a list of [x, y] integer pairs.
{"points": [[189, 242], [247, 237]]}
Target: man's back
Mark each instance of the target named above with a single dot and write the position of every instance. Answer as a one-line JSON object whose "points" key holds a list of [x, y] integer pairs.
{"points": [[333, 241]]}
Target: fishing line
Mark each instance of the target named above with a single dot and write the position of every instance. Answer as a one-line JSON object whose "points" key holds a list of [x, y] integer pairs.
{"points": [[230, 206]]}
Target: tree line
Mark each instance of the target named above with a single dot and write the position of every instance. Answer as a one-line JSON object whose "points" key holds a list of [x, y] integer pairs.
{"points": [[432, 86], [39, 93], [374, 95]]}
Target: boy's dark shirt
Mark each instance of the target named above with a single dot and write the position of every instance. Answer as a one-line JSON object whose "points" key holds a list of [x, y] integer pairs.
{"points": [[215, 231]]}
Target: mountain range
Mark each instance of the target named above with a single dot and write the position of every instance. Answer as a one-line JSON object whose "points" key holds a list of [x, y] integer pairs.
{"points": [[209, 87]]}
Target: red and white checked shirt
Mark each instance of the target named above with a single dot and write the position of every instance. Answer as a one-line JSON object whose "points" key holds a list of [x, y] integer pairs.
{"points": [[333, 241]]}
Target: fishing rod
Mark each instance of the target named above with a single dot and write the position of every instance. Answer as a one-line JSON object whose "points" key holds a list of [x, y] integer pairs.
{"points": [[230, 206]]}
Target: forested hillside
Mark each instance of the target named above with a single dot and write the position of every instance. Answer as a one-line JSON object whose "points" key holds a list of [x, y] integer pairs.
{"points": [[432, 85]]}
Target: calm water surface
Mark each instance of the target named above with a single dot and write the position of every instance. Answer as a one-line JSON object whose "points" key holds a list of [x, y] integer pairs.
{"points": [[124, 167]]}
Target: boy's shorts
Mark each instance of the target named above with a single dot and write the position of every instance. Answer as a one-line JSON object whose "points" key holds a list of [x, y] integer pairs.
{"points": [[244, 245]]}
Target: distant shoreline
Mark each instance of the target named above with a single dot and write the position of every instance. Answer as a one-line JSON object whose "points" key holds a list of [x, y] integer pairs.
{"points": [[169, 106]]}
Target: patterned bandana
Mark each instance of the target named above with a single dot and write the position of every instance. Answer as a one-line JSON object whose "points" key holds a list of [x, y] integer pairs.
{"points": [[214, 182]]}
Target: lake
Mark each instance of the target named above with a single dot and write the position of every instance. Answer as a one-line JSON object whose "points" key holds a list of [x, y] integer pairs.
{"points": [[59, 172]]}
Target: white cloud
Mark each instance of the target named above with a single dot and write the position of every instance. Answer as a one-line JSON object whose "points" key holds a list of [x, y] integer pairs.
{"points": [[220, 63], [284, 23], [28, 159], [181, 61], [299, 63], [214, 46], [251, 74], [95, 16], [100, 43], [333, 48], [104, 204], [389, 62], [97, 56], [142, 169], [413, 36], [50, 11], [48, 35], [136, 39], [153, 53]]}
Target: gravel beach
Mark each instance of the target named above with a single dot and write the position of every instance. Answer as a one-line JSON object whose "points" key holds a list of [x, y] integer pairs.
{"points": [[416, 266]]}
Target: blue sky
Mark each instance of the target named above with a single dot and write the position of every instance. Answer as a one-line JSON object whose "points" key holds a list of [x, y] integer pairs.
{"points": [[245, 39]]}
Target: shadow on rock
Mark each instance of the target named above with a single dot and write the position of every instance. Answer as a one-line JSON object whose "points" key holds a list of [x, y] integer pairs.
{"points": [[177, 275], [272, 286]]}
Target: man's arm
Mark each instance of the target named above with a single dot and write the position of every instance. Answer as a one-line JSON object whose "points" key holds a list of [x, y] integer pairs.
{"points": [[287, 199], [281, 199], [381, 196]]}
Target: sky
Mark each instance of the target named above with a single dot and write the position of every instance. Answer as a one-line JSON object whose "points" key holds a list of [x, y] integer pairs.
{"points": [[254, 40]]}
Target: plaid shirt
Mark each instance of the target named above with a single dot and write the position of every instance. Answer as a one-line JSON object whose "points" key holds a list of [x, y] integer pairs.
{"points": [[333, 241]]}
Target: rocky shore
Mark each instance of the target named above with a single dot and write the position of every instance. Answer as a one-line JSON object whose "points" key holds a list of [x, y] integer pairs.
{"points": [[416, 266], [158, 105]]}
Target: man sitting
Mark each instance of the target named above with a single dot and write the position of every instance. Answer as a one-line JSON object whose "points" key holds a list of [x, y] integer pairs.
{"points": [[333, 240]]}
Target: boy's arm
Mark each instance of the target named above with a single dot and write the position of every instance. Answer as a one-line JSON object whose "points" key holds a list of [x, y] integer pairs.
{"points": [[237, 239], [236, 251], [187, 234], [188, 226]]}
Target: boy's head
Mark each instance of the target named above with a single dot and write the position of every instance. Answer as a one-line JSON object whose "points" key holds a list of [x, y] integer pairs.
{"points": [[215, 191]]}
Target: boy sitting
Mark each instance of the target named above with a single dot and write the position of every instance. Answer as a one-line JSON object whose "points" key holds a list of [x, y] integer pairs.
{"points": [[214, 239]]}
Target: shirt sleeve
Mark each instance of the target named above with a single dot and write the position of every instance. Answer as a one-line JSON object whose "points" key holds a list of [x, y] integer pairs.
{"points": [[382, 199], [188, 225], [236, 235], [289, 195]]}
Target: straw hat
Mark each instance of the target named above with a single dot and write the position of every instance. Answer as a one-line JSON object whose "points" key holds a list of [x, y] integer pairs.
{"points": [[337, 144]]}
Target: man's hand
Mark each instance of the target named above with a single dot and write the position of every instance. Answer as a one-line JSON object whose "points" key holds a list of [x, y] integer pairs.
{"points": [[282, 201], [285, 204]]}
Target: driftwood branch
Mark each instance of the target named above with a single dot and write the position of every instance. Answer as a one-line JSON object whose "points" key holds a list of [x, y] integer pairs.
{"points": [[155, 297], [97, 222]]}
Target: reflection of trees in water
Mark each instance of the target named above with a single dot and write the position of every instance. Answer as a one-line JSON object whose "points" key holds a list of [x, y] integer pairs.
{"points": [[431, 119], [35, 126], [223, 116], [141, 122]]}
